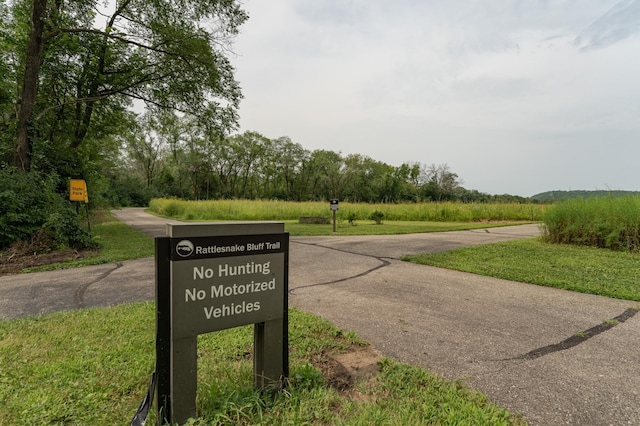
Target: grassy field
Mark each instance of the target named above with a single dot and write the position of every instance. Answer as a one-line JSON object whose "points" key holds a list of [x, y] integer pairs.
{"points": [[386, 228], [577, 268], [353, 219], [606, 222], [91, 367], [288, 210]]}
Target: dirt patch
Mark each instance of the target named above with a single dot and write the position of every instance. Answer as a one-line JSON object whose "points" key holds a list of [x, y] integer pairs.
{"points": [[345, 371], [21, 256]]}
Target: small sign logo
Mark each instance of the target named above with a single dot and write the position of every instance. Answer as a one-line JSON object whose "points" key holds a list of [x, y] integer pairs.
{"points": [[184, 248]]}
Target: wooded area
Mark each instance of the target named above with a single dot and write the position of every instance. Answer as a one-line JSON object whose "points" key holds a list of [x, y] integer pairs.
{"points": [[71, 73], [176, 158]]}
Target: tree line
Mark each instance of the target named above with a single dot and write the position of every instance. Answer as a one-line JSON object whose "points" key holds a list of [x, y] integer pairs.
{"points": [[555, 196], [170, 156]]}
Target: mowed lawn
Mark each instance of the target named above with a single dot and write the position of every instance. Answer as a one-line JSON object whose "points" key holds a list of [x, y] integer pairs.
{"points": [[577, 268]]}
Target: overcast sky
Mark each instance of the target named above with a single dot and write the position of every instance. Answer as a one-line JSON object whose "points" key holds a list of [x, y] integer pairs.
{"points": [[517, 97]]}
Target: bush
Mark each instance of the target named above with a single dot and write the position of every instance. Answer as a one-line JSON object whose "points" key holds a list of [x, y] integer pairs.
{"points": [[30, 205], [126, 191], [377, 217], [352, 219]]}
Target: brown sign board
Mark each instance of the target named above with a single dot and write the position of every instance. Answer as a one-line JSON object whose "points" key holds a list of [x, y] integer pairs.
{"points": [[211, 277], [215, 293]]}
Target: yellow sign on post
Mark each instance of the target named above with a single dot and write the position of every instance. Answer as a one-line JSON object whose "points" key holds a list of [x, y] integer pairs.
{"points": [[78, 190]]}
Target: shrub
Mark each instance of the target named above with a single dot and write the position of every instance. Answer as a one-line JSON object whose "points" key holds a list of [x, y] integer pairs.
{"points": [[30, 205], [377, 217], [126, 191], [352, 219]]}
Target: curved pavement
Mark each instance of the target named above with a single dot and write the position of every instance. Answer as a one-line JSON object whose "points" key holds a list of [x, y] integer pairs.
{"points": [[519, 344]]}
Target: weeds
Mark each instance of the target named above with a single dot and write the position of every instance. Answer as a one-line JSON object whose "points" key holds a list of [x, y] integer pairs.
{"points": [[290, 210], [604, 222], [377, 217]]}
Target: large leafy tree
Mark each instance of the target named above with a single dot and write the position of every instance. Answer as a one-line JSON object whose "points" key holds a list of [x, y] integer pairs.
{"points": [[440, 183], [70, 73], [76, 66]]}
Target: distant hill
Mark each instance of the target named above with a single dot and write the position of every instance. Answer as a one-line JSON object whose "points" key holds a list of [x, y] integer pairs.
{"points": [[550, 196]]}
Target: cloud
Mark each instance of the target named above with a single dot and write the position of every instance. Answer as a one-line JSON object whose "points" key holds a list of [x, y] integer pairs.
{"points": [[620, 22]]}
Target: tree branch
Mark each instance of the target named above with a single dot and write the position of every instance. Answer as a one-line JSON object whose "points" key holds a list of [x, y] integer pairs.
{"points": [[59, 31]]}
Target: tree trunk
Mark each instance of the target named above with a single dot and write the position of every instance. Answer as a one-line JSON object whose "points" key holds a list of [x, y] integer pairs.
{"points": [[30, 85]]}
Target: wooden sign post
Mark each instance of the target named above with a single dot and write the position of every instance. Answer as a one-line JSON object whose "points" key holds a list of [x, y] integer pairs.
{"points": [[211, 277]]}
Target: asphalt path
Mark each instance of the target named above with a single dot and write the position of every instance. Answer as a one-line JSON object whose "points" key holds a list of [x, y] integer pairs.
{"points": [[547, 354]]}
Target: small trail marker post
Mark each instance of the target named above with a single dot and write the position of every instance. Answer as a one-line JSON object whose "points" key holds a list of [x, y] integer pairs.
{"points": [[211, 277], [333, 205]]}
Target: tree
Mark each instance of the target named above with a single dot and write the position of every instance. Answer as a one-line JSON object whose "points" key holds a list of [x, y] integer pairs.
{"points": [[289, 163], [327, 169], [29, 89], [144, 147], [365, 180], [71, 71], [250, 147], [439, 183], [170, 55]]}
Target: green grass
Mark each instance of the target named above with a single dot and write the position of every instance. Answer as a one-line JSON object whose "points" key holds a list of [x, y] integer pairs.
{"points": [[92, 367], [117, 241], [577, 268], [289, 210], [386, 228]]}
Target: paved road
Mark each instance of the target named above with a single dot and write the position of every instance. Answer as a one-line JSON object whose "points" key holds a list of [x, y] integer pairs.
{"points": [[515, 342]]}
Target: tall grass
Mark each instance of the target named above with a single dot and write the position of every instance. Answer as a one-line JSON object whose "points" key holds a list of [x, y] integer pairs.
{"points": [[289, 210], [605, 222]]}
